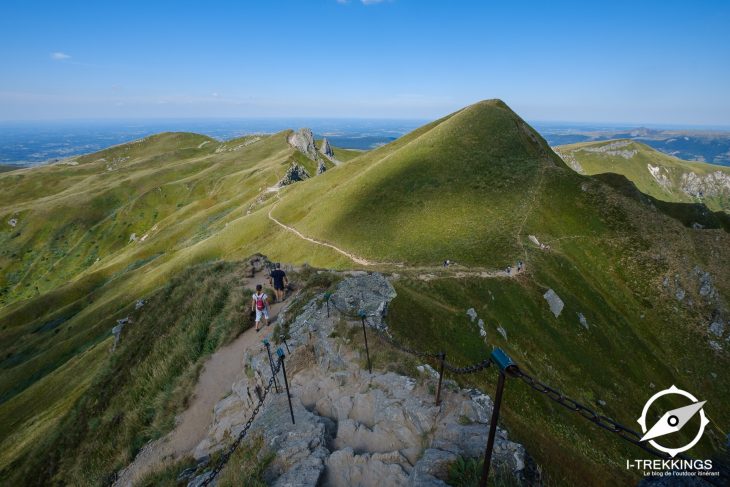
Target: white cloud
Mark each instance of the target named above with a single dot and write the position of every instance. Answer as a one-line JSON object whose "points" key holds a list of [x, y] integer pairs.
{"points": [[59, 56]]}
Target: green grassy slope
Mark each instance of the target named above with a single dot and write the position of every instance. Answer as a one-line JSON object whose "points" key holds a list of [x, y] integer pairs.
{"points": [[137, 391], [669, 180], [458, 188], [470, 187]]}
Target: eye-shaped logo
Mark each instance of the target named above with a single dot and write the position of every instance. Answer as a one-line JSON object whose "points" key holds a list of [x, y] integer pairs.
{"points": [[673, 421]]}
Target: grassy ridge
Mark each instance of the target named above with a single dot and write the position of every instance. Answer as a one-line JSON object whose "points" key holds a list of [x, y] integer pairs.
{"points": [[137, 391], [598, 158]]}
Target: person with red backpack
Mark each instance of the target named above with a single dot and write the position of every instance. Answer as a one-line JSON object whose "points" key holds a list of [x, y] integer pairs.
{"points": [[260, 304]]}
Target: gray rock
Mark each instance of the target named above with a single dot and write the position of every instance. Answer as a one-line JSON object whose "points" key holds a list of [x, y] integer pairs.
{"points": [[680, 294], [583, 321], [370, 293], [139, 304], [198, 481], [186, 474], [326, 148], [706, 289], [432, 469], [294, 174], [717, 327], [482, 330], [715, 346], [428, 371], [472, 314], [303, 141], [556, 304], [502, 331], [321, 167]]}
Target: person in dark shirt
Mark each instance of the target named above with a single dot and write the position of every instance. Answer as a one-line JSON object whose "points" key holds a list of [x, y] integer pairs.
{"points": [[279, 281]]}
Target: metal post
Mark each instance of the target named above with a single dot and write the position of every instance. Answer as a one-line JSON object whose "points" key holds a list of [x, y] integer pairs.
{"points": [[505, 364], [492, 431], [364, 333], [281, 355], [271, 363], [283, 339], [327, 299], [442, 357]]}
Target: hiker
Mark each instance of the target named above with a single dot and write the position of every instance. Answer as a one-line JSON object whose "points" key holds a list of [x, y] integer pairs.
{"points": [[509, 270], [519, 266], [260, 304], [279, 280]]}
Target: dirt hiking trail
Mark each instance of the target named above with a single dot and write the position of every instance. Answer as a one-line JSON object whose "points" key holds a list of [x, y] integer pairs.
{"points": [[219, 372]]}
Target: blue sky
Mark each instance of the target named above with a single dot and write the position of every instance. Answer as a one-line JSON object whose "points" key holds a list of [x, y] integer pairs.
{"points": [[639, 62]]}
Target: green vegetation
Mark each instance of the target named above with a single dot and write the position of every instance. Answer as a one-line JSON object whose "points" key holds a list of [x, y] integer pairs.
{"points": [[135, 393], [470, 187], [656, 174]]}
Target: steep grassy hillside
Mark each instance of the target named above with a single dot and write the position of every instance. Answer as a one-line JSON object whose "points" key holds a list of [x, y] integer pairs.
{"points": [[93, 236], [459, 188], [135, 393], [659, 175]]}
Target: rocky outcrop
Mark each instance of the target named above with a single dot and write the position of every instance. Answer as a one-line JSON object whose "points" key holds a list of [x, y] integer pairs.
{"points": [[353, 427], [556, 304], [303, 141], [661, 176], [714, 184], [326, 148], [321, 167], [295, 173], [614, 149]]}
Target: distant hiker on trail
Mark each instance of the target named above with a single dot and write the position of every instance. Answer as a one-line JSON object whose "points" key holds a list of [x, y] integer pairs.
{"points": [[509, 270], [519, 266], [279, 280], [447, 263], [260, 304]]}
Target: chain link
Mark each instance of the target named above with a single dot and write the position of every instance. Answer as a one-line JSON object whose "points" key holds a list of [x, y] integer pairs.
{"points": [[469, 369], [223, 460], [600, 420]]}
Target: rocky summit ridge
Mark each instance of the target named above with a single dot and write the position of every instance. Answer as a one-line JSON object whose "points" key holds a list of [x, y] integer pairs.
{"points": [[354, 427]]}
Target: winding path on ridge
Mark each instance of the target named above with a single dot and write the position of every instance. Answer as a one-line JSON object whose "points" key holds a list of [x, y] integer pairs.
{"points": [[456, 271]]}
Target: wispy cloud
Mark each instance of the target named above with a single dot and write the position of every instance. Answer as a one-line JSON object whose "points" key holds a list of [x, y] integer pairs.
{"points": [[60, 56]]}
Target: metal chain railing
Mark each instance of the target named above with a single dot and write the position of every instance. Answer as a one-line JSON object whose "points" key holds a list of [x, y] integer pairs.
{"points": [[225, 457], [506, 368], [469, 369], [600, 420]]}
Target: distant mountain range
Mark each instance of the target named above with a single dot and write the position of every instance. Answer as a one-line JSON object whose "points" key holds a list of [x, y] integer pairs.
{"points": [[712, 146], [40, 142]]}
